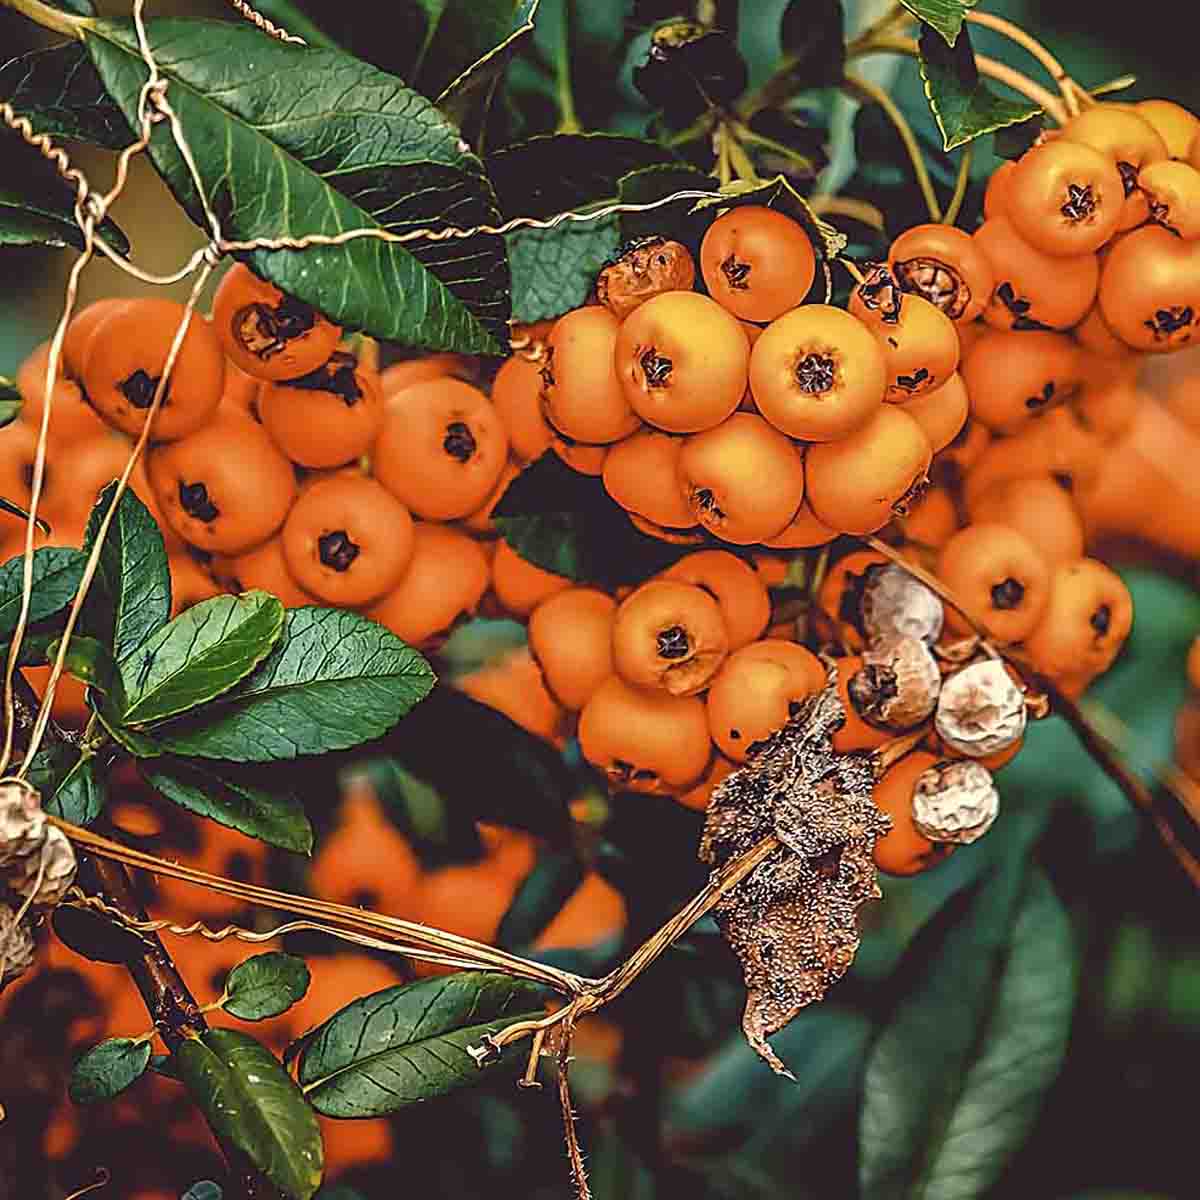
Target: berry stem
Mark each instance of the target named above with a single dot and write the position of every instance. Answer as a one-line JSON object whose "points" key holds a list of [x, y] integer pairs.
{"points": [[872, 90], [1025, 40], [864, 212], [962, 180], [54, 19]]}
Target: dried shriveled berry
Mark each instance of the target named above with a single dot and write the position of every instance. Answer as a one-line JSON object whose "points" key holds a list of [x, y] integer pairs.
{"points": [[644, 268], [22, 822], [45, 875], [897, 686], [17, 949], [980, 710], [955, 802], [895, 605]]}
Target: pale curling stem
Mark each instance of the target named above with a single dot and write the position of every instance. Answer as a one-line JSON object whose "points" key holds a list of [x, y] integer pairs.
{"points": [[256, 18], [422, 938]]}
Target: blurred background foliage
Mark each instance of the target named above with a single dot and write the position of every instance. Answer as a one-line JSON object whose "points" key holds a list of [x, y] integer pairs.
{"points": [[1117, 1122]]}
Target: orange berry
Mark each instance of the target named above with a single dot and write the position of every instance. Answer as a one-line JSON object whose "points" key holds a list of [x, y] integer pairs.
{"points": [[941, 413], [645, 740], [931, 520], [480, 521], [587, 460], [919, 342], [519, 585], [1034, 290], [1065, 198], [818, 373], [190, 583], [79, 333], [516, 687], [642, 475], [1108, 410], [570, 636], [1094, 335], [1150, 290], [1011, 377], [517, 399], [698, 797], [78, 472], [943, 264], [71, 417], [443, 583], [400, 375], [855, 734], [756, 692], [1172, 191], [964, 449], [691, 536], [671, 635], [582, 397], [735, 585], [441, 449], [347, 541], [329, 417], [858, 484], [1038, 509], [757, 262], [1176, 125], [1085, 623], [240, 394], [1193, 665], [743, 480], [264, 568], [125, 359], [268, 334], [998, 577], [804, 530], [223, 488], [995, 198], [903, 850], [647, 267], [682, 360]]}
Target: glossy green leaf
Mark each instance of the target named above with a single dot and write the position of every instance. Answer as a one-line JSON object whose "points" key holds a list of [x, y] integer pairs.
{"points": [[946, 16], [554, 270], [10, 402], [130, 597], [232, 796], [916, 1068], [91, 662], [963, 105], [251, 1102], [97, 937], [332, 145], [140, 745], [265, 986], [108, 1069], [648, 184], [334, 680], [203, 1189], [70, 784], [56, 574], [203, 652], [61, 94], [407, 1044]]}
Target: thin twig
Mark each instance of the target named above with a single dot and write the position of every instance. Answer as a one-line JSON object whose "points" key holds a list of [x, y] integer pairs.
{"points": [[574, 1150], [961, 183]]}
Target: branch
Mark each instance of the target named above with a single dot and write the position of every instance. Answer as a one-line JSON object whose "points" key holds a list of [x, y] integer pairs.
{"points": [[54, 19]]}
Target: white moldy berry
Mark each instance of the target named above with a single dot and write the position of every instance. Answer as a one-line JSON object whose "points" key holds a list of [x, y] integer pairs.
{"points": [[22, 822], [955, 802], [895, 604], [47, 873], [16, 946], [981, 710], [897, 686]]}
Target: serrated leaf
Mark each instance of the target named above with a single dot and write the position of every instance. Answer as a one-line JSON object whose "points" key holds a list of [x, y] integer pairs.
{"points": [[554, 270], [203, 1189], [407, 1044], [963, 105], [203, 652], [57, 571], [335, 679], [475, 42], [946, 985], [946, 16], [234, 797], [108, 1069], [251, 1102], [140, 745], [61, 94], [565, 522], [130, 598], [1020, 1050], [677, 220], [71, 786], [332, 145], [265, 986]]}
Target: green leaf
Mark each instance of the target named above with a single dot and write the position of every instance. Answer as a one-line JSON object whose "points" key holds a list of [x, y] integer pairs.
{"points": [[108, 1069], [97, 937], [963, 105], [946, 16], [203, 1189], [130, 598], [544, 891], [91, 662], [332, 145], [61, 94], [409, 1043], [567, 523], [1021, 1047], [814, 44], [139, 744], [234, 797], [648, 184], [57, 571], [71, 786], [265, 986], [252, 1103], [554, 270], [203, 652], [946, 984], [10, 408], [335, 679]]}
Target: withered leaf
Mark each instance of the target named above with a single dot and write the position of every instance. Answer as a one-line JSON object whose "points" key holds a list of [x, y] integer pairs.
{"points": [[793, 922]]}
